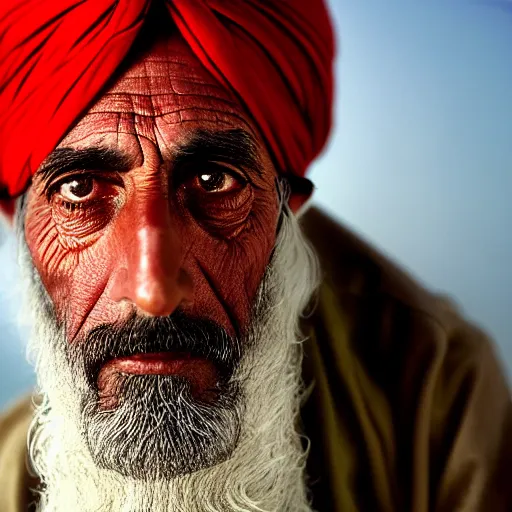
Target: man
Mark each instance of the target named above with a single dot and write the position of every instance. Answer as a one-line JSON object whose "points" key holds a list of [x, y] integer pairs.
{"points": [[194, 351]]}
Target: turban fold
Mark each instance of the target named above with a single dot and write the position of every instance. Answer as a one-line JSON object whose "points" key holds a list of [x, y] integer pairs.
{"points": [[57, 55]]}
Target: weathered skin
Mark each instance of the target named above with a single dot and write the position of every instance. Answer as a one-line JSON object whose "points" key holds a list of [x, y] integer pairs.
{"points": [[143, 243]]}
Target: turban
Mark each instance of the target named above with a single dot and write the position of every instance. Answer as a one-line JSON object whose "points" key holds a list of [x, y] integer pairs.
{"points": [[276, 56]]}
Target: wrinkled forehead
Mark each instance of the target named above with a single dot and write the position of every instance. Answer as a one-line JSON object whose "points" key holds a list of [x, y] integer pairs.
{"points": [[162, 95]]}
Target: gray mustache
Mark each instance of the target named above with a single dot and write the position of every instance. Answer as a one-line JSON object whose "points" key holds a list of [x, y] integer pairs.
{"points": [[198, 337]]}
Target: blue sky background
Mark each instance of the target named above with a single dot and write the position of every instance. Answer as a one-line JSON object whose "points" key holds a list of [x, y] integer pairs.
{"points": [[420, 162]]}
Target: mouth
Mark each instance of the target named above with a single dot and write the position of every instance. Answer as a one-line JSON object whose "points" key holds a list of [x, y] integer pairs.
{"points": [[201, 373]]}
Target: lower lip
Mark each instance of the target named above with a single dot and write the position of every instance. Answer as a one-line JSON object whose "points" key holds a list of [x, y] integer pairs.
{"points": [[159, 363], [201, 373]]}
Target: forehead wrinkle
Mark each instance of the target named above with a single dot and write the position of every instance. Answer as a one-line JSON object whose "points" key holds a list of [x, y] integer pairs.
{"points": [[133, 124], [165, 84], [148, 69], [161, 104], [146, 78], [160, 87], [126, 125], [165, 89]]}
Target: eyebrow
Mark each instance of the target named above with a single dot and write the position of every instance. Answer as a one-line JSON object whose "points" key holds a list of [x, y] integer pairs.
{"points": [[235, 147], [95, 158]]}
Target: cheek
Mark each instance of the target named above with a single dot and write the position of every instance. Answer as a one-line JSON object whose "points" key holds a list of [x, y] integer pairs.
{"points": [[51, 259], [228, 273], [73, 275]]}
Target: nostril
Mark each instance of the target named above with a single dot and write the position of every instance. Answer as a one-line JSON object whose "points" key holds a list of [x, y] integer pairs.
{"points": [[153, 280]]}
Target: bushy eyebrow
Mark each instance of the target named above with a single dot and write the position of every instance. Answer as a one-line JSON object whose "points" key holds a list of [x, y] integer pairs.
{"points": [[94, 158], [235, 147]]}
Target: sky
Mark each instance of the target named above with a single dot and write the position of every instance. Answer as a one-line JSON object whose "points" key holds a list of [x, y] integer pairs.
{"points": [[419, 162]]}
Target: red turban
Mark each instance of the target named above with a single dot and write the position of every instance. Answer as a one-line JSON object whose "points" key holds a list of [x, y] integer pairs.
{"points": [[56, 55]]}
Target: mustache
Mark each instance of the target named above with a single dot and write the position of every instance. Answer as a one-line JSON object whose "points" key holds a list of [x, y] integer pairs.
{"points": [[201, 338]]}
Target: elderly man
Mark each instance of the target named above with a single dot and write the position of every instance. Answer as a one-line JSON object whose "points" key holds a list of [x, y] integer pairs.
{"points": [[201, 342]]}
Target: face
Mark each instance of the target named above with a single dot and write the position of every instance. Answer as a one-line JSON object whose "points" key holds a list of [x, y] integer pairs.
{"points": [[169, 279], [151, 226]]}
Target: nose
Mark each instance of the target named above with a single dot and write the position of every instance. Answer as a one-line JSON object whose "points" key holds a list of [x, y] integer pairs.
{"points": [[152, 278]]}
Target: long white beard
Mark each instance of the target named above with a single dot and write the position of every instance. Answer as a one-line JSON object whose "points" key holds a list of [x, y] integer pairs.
{"points": [[266, 472]]}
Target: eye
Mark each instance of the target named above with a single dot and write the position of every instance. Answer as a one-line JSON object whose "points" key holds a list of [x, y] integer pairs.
{"points": [[217, 196], [217, 181], [77, 189], [82, 205]]}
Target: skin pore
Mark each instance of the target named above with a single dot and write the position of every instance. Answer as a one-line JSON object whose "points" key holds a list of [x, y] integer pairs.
{"points": [[161, 196]]}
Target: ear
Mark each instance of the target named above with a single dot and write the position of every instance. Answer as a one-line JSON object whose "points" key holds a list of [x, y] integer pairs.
{"points": [[301, 190], [7, 208]]}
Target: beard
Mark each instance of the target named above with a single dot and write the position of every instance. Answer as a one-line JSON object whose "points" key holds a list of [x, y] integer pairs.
{"points": [[159, 426], [164, 447]]}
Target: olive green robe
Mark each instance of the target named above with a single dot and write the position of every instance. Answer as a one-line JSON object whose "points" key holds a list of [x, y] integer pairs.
{"points": [[409, 411]]}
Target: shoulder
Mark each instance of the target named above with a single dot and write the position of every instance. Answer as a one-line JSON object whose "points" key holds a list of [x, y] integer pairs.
{"points": [[20, 411], [401, 364], [14, 425], [368, 285]]}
